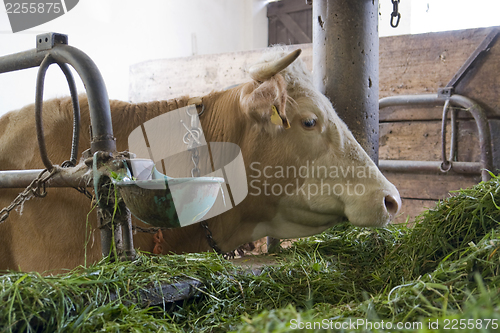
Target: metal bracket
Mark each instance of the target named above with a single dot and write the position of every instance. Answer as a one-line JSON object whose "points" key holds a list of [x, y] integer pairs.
{"points": [[49, 40], [468, 64]]}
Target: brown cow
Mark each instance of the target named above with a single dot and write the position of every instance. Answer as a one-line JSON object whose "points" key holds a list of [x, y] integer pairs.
{"points": [[59, 231]]}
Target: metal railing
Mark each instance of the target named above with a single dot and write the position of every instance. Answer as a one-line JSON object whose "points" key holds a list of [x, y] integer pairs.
{"points": [[446, 164], [53, 48]]}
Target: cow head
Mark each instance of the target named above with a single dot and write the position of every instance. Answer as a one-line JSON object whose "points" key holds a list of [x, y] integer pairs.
{"points": [[305, 170]]}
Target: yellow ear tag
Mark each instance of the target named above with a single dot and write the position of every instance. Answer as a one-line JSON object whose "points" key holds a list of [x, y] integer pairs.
{"points": [[275, 117]]}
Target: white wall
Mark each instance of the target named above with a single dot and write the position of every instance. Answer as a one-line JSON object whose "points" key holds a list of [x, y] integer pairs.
{"points": [[118, 33], [421, 16]]}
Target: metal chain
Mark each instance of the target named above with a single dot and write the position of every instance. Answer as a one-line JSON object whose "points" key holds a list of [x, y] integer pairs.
{"points": [[395, 13], [195, 157], [35, 188], [210, 239], [84, 191], [191, 138], [213, 244]]}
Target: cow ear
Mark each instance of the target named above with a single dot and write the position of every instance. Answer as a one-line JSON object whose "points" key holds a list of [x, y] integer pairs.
{"points": [[265, 102]]}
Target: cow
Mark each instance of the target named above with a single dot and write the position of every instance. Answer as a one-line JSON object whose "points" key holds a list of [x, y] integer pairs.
{"points": [[60, 231]]}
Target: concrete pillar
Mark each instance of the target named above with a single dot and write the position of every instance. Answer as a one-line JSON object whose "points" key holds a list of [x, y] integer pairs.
{"points": [[345, 64]]}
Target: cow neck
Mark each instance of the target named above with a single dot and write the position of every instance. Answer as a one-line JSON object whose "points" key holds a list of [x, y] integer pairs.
{"points": [[219, 122], [220, 127], [208, 233]]}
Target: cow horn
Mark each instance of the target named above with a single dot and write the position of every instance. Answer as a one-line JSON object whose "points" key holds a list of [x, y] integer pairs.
{"points": [[263, 72]]}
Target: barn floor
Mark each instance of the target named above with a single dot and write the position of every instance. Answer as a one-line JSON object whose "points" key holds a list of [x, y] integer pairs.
{"points": [[447, 267]]}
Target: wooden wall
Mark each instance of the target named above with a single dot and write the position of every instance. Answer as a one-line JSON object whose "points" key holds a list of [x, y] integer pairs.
{"points": [[413, 64], [290, 22]]}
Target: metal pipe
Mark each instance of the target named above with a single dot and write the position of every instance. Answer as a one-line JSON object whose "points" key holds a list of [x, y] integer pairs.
{"points": [[100, 115], [483, 132], [477, 112], [53, 48], [76, 114], [21, 60], [454, 135], [410, 100], [445, 165], [345, 64], [66, 177], [428, 166], [40, 79]]}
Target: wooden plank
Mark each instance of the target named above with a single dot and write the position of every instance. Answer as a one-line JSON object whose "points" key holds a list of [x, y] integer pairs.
{"points": [[420, 64], [271, 39], [296, 31], [421, 140], [287, 6], [283, 36], [414, 64], [429, 186], [304, 20]]}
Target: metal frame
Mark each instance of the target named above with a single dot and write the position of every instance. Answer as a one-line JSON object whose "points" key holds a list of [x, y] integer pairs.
{"points": [[52, 48], [483, 130], [56, 46]]}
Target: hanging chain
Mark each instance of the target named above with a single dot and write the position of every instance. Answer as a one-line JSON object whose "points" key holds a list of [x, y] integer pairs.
{"points": [[210, 239], [192, 139], [395, 13], [35, 188], [195, 171]]}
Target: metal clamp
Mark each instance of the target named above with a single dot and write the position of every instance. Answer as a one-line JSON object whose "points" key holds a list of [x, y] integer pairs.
{"points": [[395, 14], [469, 64], [49, 40]]}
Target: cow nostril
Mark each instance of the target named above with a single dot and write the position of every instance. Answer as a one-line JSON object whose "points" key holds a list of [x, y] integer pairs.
{"points": [[391, 204]]}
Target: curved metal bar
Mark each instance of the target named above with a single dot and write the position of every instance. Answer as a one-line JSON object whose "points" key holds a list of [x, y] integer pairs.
{"points": [[76, 112], [46, 62], [445, 165], [483, 132], [469, 105], [454, 135], [100, 114]]}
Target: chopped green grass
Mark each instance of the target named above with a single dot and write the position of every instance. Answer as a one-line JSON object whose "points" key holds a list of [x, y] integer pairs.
{"points": [[445, 268]]}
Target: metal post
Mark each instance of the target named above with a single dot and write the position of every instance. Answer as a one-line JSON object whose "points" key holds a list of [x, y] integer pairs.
{"points": [[345, 64]]}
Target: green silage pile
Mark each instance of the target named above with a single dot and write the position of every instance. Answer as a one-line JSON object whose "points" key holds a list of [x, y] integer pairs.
{"points": [[445, 268]]}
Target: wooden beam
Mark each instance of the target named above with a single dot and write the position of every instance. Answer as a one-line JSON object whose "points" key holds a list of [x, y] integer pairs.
{"points": [[429, 186], [288, 6], [294, 29]]}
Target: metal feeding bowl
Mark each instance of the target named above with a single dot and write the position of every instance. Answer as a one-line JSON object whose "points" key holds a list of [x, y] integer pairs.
{"points": [[163, 201]]}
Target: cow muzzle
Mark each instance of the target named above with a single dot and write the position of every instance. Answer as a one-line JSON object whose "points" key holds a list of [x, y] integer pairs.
{"points": [[375, 209]]}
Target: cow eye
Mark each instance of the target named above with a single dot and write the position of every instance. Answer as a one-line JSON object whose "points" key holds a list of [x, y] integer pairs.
{"points": [[309, 123]]}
